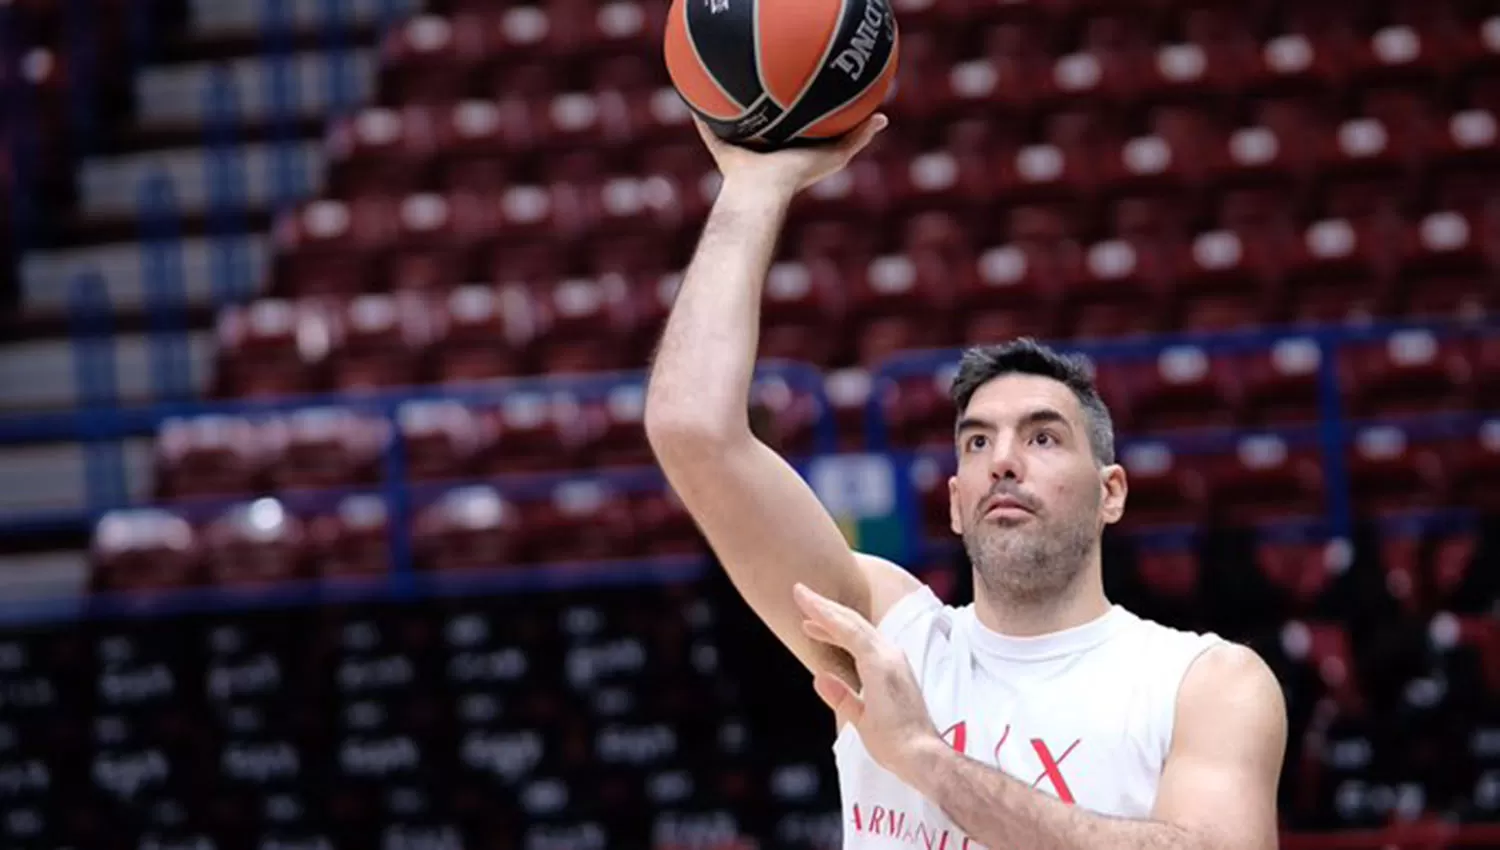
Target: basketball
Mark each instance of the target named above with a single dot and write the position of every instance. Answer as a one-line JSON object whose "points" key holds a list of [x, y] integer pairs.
{"points": [[770, 73]]}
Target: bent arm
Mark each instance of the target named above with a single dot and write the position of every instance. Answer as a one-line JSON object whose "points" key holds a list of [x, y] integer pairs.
{"points": [[762, 520], [1217, 790]]}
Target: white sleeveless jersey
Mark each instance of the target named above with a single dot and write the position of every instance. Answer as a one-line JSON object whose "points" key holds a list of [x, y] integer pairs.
{"points": [[1084, 715]]}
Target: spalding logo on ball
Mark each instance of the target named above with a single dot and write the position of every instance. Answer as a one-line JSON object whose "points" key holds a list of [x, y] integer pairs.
{"points": [[769, 73]]}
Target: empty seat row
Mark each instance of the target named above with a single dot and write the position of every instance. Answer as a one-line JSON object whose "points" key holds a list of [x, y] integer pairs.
{"points": [[262, 542], [587, 137], [436, 58], [937, 290]]}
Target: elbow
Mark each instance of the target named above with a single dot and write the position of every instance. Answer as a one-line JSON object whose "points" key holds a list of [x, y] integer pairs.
{"points": [[675, 433]]}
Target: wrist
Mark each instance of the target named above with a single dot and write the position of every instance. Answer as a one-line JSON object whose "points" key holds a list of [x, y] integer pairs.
{"points": [[926, 759], [757, 188]]}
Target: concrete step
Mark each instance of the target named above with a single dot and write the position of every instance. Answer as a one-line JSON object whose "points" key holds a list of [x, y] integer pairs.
{"points": [[116, 185], [48, 279], [42, 374], [316, 83]]}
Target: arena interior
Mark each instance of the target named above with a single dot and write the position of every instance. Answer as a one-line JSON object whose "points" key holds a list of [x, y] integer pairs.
{"points": [[326, 515]]}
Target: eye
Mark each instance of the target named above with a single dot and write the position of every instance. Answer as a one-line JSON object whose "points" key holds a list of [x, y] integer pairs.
{"points": [[1045, 438], [977, 442]]}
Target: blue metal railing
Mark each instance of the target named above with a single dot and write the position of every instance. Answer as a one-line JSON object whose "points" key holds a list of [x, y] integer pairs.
{"points": [[1330, 433]]}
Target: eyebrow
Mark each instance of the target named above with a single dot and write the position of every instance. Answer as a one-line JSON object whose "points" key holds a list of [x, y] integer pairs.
{"points": [[1040, 416]]}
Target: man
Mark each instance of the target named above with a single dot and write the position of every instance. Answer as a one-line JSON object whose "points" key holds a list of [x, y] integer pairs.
{"points": [[1041, 717]]}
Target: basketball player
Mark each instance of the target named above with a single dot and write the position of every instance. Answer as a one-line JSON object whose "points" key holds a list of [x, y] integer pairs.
{"points": [[1039, 717]]}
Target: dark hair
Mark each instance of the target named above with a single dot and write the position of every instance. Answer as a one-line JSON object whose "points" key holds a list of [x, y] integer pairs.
{"points": [[1026, 356]]}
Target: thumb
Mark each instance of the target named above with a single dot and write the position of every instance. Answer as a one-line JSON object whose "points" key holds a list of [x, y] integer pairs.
{"points": [[837, 695]]}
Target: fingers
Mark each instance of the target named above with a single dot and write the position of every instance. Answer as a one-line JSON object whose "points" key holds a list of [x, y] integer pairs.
{"points": [[837, 695], [837, 624]]}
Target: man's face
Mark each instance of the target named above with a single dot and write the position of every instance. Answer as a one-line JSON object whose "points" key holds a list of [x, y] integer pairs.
{"points": [[1029, 499]]}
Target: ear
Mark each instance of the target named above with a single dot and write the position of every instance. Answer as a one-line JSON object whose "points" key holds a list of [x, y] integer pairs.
{"points": [[955, 514], [1112, 481]]}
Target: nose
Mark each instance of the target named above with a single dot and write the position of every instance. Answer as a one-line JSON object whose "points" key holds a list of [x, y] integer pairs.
{"points": [[1006, 461]]}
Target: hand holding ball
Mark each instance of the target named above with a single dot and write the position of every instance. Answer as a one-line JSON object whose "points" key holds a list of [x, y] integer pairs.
{"points": [[775, 73]]}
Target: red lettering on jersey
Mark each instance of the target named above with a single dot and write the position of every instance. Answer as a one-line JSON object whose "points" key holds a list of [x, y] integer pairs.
{"points": [[859, 823], [875, 818], [898, 823], [960, 733], [1051, 768], [1003, 736]]}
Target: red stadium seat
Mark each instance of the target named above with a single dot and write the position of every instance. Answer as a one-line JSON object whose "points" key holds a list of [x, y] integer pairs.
{"points": [[958, 181], [665, 527], [1281, 385], [1150, 170], [1114, 290], [900, 303], [535, 431], [1184, 386], [381, 341], [487, 333], [1409, 372], [1255, 175], [431, 58], [1425, 569], [255, 543], [144, 549], [918, 412], [1362, 169], [1012, 292], [210, 456], [1171, 572], [272, 347], [379, 151], [802, 311], [1327, 649], [352, 541], [1474, 462], [1044, 173], [1220, 282], [1465, 162], [468, 528], [1443, 268], [1165, 489], [327, 247], [441, 439], [848, 392], [586, 325], [783, 416], [1487, 371], [1388, 471], [617, 433], [1339, 273], [1264, 479], [325, 447], [582, 520]]}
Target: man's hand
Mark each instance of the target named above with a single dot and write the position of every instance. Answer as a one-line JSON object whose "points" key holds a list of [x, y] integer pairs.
{"points": [[789, 170], [889, 713]]}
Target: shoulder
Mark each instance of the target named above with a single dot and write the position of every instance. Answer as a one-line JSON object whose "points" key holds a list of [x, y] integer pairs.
{"points": [[1229, 688], [888, 583]]}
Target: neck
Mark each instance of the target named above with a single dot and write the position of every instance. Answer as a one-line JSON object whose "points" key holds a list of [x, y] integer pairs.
{"points": [[1081, 601]]}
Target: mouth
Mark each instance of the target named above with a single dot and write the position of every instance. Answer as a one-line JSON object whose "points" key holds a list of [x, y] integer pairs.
{"points": [[1002, 506]]}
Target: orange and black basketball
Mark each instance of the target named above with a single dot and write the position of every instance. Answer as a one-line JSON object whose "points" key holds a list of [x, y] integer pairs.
{"points": [[768, 73]]}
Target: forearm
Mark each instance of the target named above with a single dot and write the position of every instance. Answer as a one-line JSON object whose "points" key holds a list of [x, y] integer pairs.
{"points": [[706, 358], [999, 811]]}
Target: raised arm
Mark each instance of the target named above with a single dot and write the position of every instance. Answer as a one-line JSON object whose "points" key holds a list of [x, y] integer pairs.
{"points": [[761, 519]]}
